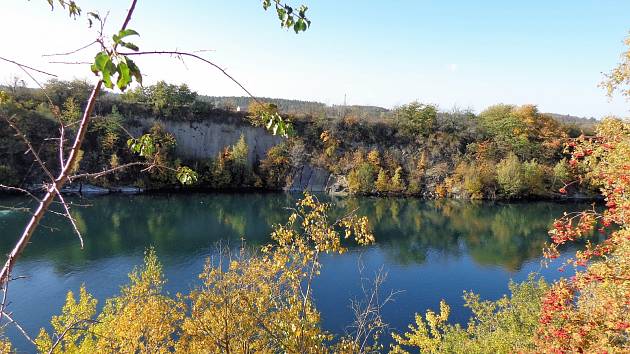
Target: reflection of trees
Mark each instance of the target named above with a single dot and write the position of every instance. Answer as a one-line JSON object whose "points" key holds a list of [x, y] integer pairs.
{"points": [[505, 235], [408, 230], [172, 224]]}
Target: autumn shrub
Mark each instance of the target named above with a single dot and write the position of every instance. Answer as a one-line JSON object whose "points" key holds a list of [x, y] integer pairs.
{"points": [[475, 178], [397, 183], [417, 175], [141, 319], [507, 325], [361, 179], [561, 174], [510, 176], [275, 167], [382, 182], [534, 176]]}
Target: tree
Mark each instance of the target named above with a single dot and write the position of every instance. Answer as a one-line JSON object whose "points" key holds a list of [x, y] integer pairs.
{"points": [[618, 79], [533, 178], [397, 182], [276, 166], [589, 311], [416, 118], [523, 130], [510, 176], [361, 178], [382, 182]]}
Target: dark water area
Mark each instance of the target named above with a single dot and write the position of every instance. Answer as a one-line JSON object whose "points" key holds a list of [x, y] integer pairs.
{"points": [[430, 250]]}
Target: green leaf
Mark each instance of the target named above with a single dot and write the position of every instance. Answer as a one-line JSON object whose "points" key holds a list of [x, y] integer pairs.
{"points": [[130, 46], [134, 70], [281, 14], [124, 78], [128, 32], [101, 60]]}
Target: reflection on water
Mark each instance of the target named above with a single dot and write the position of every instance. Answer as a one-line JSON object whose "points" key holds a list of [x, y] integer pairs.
{"points": [[431, 249]]}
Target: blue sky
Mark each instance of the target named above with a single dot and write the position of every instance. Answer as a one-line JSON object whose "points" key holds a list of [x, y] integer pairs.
{"points": [[450, 53]]}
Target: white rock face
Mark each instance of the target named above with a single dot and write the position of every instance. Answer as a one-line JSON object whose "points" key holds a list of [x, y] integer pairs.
{"points": [[205, 139]]}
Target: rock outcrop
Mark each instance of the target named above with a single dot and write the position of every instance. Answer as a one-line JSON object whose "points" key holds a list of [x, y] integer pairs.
{"points": [[207, 138]]}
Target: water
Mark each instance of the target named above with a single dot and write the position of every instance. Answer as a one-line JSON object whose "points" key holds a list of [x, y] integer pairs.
{"points": [[430, 250]]}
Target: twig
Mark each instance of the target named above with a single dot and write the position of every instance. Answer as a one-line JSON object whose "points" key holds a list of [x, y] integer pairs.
{"points": [[17, 325], [70, 62], [185, 54], [72, 51], [65, 331], [74, 225], [21, 190], [111, 170], [27, 67]]}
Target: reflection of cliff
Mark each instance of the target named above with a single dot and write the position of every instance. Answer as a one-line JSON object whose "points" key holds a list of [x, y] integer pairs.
{"points": [[407, 230]]}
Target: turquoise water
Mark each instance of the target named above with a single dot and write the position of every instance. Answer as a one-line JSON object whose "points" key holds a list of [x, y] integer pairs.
{"points": [[430, 250]]}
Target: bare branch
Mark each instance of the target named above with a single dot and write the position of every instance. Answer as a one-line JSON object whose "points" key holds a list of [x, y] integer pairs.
{"points": [[70, 62], [192, 55], [72, 51], [17, 325], [22, 66], [109, 171], [58, 183], [21, 190], [66, 330], [31, 149], [69, 216]]}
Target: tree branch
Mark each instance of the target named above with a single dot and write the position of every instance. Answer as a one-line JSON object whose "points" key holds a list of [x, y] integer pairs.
{"points": [[63, 177], [22, 66], [185, 54]]}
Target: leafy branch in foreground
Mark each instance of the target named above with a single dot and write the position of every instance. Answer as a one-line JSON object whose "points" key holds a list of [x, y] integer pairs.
{"points": [[73, 9], [618, 79], [288, 16]]}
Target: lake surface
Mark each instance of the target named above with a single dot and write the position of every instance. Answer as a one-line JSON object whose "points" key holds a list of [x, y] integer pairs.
{"points": [[431, 250]]}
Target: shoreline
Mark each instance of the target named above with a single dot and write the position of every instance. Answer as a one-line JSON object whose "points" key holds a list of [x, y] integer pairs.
{"points": [[89, 190]]}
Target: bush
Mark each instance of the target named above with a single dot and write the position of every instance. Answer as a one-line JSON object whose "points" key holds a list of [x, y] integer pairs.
{"points": [[275, 167], [416, 118], [510, 176], [361, 179], [382, 182], [534, 178], [561, 174], [507, 325], [398, 183]]}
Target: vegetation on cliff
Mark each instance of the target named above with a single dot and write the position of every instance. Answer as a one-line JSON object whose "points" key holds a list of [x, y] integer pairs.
{"points": [[505, 151]]}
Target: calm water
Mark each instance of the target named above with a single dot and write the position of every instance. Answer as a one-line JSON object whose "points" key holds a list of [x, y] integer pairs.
{"points": [[431, 250]]}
